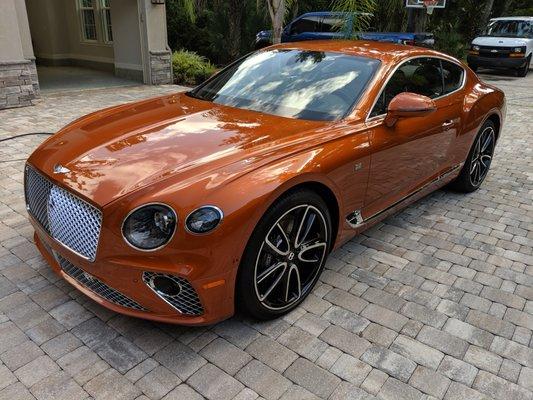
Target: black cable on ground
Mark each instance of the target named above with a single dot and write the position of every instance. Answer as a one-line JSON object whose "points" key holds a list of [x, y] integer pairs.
{"points": [[19, 136], [25, 134]]}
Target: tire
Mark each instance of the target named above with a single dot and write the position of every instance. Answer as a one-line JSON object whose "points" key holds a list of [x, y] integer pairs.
{"points": [[522, 72], [477, 164], [272, 279]]}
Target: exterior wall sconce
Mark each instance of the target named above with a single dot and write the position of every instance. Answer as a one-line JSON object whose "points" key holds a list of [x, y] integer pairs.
{"points": [[158, 1]]}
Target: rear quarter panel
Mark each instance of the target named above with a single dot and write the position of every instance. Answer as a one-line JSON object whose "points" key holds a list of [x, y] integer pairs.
{"points": [[481, 102]]}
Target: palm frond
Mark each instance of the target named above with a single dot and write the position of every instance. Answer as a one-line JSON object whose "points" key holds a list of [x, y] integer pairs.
{"points": [[189, 6], [363, 8]]}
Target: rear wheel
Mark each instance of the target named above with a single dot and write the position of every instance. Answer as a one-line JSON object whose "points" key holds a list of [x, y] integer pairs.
{"points": [[284, 256], [479, 159]]}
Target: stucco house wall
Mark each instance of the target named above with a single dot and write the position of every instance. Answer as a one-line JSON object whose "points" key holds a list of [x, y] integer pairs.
{"points": [[18, 75], [49, 32]]}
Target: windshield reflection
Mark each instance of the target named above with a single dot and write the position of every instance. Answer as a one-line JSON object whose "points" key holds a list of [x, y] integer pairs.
{"points": [[312, 85]]}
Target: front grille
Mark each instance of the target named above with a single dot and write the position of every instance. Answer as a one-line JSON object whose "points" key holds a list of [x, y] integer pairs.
{"points": [[70, 220], [495, 52], [97, 286], [186, 301]]}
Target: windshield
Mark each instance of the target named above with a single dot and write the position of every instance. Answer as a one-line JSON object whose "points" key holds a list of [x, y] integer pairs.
{"points": [[299, 84], [510, 28]]}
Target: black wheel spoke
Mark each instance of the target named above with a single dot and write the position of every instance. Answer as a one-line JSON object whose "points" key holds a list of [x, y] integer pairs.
{"points": [[273, 285], [271, 270], [304, 227], [278, 241], [293, 282], [318, 248]]}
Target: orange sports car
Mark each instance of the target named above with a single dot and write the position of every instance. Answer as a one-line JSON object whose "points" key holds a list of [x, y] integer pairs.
{"points": [[184, 207]]}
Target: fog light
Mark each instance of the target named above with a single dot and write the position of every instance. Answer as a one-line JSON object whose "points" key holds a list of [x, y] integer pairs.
{"points": [[165, 286]]}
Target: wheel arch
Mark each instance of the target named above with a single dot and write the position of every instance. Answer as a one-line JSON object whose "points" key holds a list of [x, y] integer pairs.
{"points": [[329, 197]]}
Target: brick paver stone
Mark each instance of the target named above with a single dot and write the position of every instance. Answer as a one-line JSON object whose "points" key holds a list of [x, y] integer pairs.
{"points": [[434, 302]]}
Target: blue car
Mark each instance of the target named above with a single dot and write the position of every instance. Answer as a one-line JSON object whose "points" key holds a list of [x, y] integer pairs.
{"points": [[337, 25]]}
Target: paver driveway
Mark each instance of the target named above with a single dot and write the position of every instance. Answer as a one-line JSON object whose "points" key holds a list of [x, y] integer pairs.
{"points": [[435, 302]]}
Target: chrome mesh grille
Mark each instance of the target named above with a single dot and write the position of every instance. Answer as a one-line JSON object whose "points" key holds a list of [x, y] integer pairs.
{"points": [[97, 286], [186, 301], [71, 221]]}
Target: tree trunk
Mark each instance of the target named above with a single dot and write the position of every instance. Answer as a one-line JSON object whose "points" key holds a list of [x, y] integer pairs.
{"points": [[486, 12], [276, 9], [235, 11], [421, 18]]}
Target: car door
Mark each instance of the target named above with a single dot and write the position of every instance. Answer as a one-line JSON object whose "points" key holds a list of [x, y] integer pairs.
{"points": [[303, 28], [414, 150]]}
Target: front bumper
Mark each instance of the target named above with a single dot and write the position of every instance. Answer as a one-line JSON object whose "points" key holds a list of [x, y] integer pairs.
{"points": [[496, 62], [122, 289]]}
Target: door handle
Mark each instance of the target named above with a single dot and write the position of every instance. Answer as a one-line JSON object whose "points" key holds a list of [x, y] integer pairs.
{"points": [[447, 124]]}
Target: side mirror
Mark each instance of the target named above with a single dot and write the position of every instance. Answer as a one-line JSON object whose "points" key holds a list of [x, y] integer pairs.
{"points": [[406, 105]]}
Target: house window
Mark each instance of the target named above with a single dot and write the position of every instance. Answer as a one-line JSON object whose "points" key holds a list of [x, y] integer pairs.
{"points": [[88, 20], [106, 20]]}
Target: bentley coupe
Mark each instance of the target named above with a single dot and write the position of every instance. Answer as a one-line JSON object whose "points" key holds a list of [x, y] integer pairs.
{"points": [[186, 207]]}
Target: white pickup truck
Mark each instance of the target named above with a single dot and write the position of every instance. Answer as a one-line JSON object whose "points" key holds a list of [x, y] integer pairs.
{"points": [[507, 42]]}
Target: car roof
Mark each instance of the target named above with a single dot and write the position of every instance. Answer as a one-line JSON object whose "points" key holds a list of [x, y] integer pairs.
{"points": [[384, 51], [334, 13], [512, 18]]}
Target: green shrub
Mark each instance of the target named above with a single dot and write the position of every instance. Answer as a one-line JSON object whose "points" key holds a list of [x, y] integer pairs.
{"points": [[450, 41], [190, 68]]}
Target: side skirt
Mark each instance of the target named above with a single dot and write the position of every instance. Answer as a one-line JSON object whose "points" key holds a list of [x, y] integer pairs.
{"points": [[360, 224]]}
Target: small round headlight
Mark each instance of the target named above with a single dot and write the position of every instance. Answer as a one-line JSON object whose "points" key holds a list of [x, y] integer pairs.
{"points": [[149, 227], [475, 48], [203, 219]]}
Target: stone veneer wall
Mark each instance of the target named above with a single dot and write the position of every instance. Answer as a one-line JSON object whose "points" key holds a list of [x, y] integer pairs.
{"points": [[161, 67], [18, 83]]}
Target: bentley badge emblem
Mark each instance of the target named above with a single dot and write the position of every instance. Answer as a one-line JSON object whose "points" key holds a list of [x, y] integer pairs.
{"points": [[59, 169]]}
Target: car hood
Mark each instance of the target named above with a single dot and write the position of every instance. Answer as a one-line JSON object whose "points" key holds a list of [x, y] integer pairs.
{"points": [[499, 41], [110, 153]]}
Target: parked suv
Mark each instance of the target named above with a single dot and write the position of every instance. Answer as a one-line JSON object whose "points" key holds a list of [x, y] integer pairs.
{"points": [[507, 42], [337, 25]]}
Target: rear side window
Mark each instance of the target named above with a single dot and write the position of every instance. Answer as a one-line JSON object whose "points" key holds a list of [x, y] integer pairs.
{"points": [[453, 76]]}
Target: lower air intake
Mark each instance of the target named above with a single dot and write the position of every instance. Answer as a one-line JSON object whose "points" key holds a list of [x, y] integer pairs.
{"points": [[97, 286], [176, 291]]}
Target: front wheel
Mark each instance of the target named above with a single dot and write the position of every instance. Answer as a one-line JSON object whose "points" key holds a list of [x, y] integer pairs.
{"points": [[284, 256], [525, 69], [477, 164]]}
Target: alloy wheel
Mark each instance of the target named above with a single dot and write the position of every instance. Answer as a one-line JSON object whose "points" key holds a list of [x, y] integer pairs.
{"points": [[482, 156], [290, 257]]}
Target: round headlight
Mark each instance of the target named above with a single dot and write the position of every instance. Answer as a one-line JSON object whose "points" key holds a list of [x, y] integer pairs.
{"points": [[149, 227], [475, 48], [203, 219]]}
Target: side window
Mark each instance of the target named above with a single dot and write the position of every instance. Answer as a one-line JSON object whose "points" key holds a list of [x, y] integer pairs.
{"points": [[305, 24], [453, 76], [420, 75], [332, 25]]}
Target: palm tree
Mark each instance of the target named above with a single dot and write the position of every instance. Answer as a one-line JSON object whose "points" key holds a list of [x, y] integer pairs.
{"points": [[190, 7], [363, 8], [235, 13], [277, 10], [486, 12]]}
